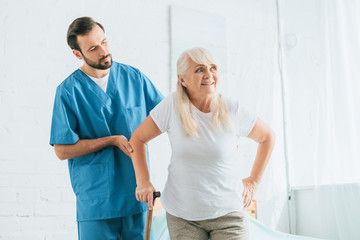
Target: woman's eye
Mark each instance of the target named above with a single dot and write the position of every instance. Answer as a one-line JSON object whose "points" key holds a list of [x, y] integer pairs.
{"points": [[213, 69], [199, 70]]}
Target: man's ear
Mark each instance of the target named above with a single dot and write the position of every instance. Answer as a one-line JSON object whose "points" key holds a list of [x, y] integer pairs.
{"points": [[77, 54], [182, 80]]}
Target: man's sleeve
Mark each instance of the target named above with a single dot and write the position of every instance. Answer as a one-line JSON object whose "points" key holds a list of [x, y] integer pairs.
{"points": [[152, 95], [64, 121]]}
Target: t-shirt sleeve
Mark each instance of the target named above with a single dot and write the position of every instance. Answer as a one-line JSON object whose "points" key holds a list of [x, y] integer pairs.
{"points": [[64, 121], [152, 95], [245, 120], [161, 114]]}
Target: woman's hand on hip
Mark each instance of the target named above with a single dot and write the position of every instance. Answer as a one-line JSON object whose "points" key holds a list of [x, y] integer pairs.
{"points": [[250, 186]]}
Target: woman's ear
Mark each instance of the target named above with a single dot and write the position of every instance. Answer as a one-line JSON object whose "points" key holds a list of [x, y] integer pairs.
{"points": [[182, 80]]}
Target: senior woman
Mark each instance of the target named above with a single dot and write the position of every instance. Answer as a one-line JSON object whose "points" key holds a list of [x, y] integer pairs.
{"points": [[201, 197]]}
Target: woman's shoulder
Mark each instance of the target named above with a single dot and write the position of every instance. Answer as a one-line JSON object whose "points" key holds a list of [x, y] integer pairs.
{"points": [[230, 103], [170, 98], [167, 102], [235, 106]]}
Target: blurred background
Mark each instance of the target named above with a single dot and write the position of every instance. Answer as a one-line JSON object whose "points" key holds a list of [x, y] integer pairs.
{"points": [[293, 62]]}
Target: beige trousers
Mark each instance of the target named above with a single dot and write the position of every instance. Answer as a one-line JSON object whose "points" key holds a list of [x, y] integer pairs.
{"points": [[232, 226]]}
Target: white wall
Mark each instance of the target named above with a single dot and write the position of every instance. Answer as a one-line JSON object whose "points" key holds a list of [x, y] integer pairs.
{"points": [[328, 212], [321, 55], [36, 199]]}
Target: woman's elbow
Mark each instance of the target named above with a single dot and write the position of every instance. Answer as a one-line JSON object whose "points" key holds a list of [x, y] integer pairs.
{"points": [[268, 137], [135, 141], [271, 137]]}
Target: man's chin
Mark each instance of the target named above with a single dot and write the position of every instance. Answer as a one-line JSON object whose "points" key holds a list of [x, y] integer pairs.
{"points": [[105, 66]]}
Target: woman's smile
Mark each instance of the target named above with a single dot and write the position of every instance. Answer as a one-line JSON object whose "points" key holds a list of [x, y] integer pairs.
{"points": [[208, 83]]}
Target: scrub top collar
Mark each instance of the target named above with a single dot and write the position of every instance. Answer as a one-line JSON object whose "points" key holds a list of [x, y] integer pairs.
{"points": [[104, 97]]}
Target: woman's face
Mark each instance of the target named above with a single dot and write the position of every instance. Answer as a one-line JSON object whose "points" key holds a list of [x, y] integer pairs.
{"points": [[200, 79]]}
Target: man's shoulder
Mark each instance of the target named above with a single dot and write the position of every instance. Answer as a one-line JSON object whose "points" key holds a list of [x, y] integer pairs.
{"points": [[71, 81], [122, 67], [127, 73]]}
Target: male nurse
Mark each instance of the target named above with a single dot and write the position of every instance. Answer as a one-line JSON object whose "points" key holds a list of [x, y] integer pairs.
{"points": [[96, 110]]}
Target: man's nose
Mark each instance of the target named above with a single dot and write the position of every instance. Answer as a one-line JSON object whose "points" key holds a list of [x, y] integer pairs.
{"points": [[104, 51]]}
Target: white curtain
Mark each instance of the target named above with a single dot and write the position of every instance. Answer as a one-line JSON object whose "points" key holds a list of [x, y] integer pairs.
{"points": [[321, 72], [254, 80]]}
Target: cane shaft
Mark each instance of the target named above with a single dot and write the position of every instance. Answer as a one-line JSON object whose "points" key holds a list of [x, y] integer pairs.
{"points": [[149, 218], [148, 224]]}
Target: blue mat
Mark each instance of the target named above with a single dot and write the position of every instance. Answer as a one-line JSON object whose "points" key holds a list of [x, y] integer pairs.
{"points": [[257, 231]]}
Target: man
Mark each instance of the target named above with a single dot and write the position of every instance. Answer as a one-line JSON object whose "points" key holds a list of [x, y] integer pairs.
{"points": [[96, 110]]}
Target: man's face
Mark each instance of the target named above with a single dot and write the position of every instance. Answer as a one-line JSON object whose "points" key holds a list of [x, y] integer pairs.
{"points": [[94, 49]]}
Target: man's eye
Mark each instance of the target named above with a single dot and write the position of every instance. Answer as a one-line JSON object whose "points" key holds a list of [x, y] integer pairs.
{"points": [[92, 49]]}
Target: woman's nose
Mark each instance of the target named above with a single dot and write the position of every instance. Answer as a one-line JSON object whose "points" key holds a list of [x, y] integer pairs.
{"points": [[207, 73]]}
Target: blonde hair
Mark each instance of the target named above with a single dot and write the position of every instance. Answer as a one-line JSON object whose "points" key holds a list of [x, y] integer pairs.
{"points": [[220, 115]]}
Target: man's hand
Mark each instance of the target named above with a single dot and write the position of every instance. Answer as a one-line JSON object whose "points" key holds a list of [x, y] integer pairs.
{"points": [[121, 142]]}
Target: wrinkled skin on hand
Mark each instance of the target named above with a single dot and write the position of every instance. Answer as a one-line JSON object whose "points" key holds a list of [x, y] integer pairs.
{"points": [[144, 193], [250, 186]]}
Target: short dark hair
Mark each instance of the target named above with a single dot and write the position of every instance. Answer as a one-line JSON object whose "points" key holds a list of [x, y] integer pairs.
{"points": [[80, 26]]}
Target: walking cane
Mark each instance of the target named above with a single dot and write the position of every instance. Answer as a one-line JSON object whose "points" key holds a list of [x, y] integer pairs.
{"points": [[149, 217]]}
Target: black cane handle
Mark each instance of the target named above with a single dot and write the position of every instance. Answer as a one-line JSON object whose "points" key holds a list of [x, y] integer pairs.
{"points": [[156, 195]]}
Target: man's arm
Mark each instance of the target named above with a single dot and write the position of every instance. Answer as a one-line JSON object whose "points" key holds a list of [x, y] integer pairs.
{"points": [[87, 146]]}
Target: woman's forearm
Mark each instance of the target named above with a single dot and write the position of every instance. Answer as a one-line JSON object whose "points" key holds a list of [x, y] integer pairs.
{"points": [[144, 188], [144, 133], [138, 157], [140, 137], [263, 155]]}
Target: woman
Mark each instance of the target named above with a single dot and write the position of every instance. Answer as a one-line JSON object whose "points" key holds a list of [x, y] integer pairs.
{"points": [[201, 199]]}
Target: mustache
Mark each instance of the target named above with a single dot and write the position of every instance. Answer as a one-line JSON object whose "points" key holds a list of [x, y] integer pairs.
{"points": [[109, 55]]}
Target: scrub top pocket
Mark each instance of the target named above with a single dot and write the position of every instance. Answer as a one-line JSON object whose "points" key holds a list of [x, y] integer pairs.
{"points": [[134, 117], [92, 181]]}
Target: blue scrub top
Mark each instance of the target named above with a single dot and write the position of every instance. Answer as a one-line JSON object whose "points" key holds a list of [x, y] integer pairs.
{"points": [[104, 181]]}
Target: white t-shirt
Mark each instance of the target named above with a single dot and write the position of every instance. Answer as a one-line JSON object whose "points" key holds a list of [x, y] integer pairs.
{"points": [[203, 182], [101, 82]]}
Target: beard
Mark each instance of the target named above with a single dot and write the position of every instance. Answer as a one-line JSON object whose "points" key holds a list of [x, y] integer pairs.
{"points": [[99, 65]]}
